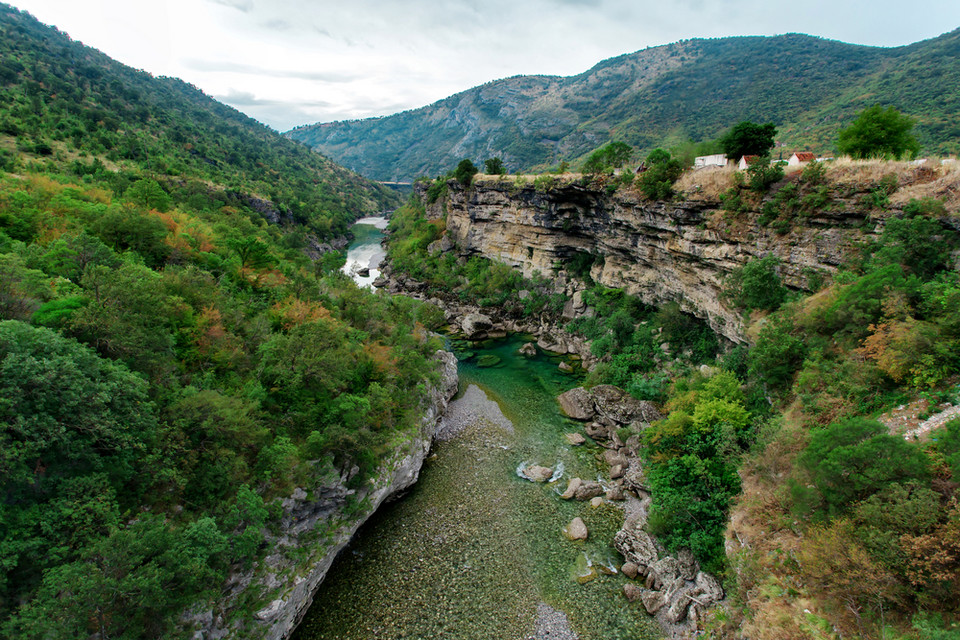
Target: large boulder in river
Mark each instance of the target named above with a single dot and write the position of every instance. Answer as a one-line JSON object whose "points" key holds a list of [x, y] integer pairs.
{"points": [[572, 487], [577, 404], [536, 473], [475, 325], [588, 490], [576, 530]]}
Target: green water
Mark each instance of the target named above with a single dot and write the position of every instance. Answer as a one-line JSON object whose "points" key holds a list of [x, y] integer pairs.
{"points": [[473, 548]]}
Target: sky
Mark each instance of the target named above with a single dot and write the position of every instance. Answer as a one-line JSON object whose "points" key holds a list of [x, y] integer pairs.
{"points": [[292, 62]]}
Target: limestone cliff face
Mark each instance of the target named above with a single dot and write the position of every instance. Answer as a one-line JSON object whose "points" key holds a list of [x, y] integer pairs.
{"points": [[313, 530], [658, 251]]}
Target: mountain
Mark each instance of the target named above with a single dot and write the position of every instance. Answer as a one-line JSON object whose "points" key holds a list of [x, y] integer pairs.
{"points": [[61, 101], [662, 96]]}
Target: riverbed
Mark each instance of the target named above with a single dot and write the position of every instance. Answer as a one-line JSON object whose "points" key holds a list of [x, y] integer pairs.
{"points": [[474, 550]]}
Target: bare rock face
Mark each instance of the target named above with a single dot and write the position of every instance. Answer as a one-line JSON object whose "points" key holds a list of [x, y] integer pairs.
{"points": [[658, 251], [476, 325], [577, 404]]}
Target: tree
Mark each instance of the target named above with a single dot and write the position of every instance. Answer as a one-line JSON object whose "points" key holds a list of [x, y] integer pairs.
{"points": [[879, 133], [854, 459], [494, 167], [756, 285], [657, 181], [608, 158], [465, 171], [748, 139]]}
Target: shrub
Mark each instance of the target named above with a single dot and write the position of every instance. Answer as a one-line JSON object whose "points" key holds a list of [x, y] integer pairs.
{"points": [[756, 285]]}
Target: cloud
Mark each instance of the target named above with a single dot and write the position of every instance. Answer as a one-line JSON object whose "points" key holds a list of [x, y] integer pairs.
{"points": [[223, 66], [247, 99], [240, 5]]}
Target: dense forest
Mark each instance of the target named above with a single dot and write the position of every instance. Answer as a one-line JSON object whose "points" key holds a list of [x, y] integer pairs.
{"points": [[176, 351], [772, 464], [683, 93]]}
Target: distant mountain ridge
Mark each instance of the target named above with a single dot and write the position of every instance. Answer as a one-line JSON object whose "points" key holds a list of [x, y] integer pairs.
{"points": [[694, 89]]}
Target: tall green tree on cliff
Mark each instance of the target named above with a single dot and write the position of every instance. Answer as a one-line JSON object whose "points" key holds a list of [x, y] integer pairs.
{"points": [[748, 139], [879, 133]]}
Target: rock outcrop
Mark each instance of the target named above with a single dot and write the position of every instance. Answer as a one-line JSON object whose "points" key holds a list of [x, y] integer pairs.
{"points": [[293, 581], [658, 251]]}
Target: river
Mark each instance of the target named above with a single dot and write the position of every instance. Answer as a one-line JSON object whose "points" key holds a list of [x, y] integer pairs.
{"points": [[474, 551]]}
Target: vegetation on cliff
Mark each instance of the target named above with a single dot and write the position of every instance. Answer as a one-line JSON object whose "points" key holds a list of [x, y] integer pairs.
{"points": [[172, 361], [778, 463]]}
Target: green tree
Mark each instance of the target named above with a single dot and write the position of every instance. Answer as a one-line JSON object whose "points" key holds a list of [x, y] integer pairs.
{"points": [[657, 181], [851, 460], [756, 285], [879, 133], [494, 167], [465, 171], [748, 139], [607, 158]]}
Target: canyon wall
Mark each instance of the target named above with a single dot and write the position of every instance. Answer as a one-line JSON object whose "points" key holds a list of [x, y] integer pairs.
{"points": [[314, 528], [659, 251]]}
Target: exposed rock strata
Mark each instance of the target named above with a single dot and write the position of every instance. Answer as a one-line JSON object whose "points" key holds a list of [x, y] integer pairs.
{"points": [[291, 579], [658, 251]]}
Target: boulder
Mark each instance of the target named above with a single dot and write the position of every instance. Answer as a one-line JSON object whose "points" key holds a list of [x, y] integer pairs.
{"points": [[536, 473], [621, 407], [528, 350], [565, 367], [630, 570], [615, 493], [577, 404], [616, 471], [653, 601], [597, 431], [614, 458], [632, 592], [576, 530], [588, 490], [596, 502], [574, 439], [475, 325], [572, 487], [637, 546], [689, 567]]}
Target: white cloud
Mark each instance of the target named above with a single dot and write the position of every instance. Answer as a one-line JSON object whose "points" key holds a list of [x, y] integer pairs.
{"points": [[287, 62]]}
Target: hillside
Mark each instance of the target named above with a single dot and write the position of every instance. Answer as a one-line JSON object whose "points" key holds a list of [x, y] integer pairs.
{"points": [[64, 103], [179, 355], [690, 90]]}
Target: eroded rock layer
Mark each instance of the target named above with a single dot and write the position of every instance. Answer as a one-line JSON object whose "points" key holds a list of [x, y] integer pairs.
{"points": [[658, 251]]}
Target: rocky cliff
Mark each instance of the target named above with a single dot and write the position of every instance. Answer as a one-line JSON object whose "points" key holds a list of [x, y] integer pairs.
{"points": [[314, 529], [659, 251]]}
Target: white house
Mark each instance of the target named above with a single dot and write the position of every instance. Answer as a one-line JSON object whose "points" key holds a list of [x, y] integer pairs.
{"points": [[746, 161], [716, 160], [801, 158]]}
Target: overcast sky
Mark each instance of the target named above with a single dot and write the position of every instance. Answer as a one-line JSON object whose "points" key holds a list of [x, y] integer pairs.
{"points": [[291, 62]]}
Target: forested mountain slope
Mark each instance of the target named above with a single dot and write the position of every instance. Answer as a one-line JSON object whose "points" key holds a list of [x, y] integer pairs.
{"points": [[695, 89], [177, 354], [62, 101]]}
